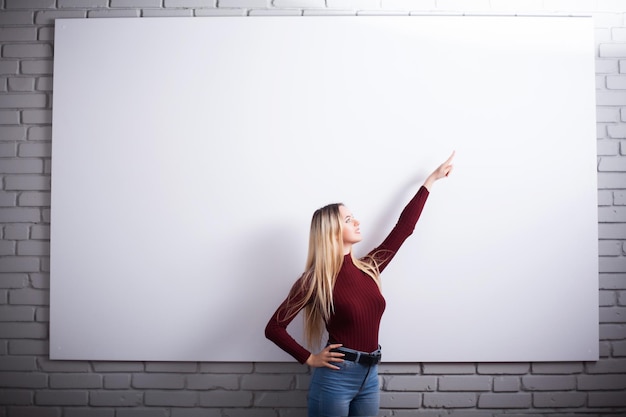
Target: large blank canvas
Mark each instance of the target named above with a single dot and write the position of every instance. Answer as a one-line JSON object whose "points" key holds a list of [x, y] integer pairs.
{"points": [[189, 155]]}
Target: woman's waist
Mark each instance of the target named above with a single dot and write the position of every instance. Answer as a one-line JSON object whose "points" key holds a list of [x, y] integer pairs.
{"points": [[363, 357]]}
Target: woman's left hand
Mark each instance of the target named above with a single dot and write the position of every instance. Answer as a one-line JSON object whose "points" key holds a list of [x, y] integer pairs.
{"points": [[442, 171]]}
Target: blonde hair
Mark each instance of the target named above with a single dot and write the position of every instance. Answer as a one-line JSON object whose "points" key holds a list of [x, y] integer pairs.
{"points": [[324, 260]]}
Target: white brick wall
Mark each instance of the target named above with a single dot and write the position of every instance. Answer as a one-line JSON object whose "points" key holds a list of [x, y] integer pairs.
{"points": [[32, 385]]}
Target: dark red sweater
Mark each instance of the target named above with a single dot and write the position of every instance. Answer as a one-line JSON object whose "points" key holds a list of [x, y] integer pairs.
{"points": [[359, 305]]}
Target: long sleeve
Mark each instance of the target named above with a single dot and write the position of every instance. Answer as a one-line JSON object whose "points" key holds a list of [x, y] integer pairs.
{"points": [[402, 230], [276, 328]]}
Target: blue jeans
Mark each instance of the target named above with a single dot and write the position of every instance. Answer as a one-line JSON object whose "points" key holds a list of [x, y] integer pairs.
{"points": [[350, 391]]}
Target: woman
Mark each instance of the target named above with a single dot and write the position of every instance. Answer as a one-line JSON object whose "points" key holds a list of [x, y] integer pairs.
{"points": [[341, 294]]}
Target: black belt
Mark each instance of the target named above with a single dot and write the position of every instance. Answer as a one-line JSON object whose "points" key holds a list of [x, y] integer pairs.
{"points": [[363, 358]]}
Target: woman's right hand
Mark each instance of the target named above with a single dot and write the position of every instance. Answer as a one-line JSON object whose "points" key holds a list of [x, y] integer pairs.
{"points": [[325, 358]]}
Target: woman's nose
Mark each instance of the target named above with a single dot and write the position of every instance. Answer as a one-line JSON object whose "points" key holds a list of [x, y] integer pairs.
{"points": [[356, 222]]}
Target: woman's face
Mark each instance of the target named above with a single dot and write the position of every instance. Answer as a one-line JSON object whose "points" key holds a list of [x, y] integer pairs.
{"points": [[350, 227]]}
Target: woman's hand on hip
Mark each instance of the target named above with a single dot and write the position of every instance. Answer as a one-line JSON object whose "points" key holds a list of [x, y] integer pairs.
{"points": [[325, 358]]}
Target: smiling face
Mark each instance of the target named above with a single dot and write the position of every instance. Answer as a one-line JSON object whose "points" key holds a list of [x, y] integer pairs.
{"points": [[350, 231]]}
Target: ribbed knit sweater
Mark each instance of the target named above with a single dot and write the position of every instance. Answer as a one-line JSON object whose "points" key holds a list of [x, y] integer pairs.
{"points": [[358, 302]]}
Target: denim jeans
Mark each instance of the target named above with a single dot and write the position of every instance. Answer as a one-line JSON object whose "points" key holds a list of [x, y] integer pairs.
{"points": [[350, 391]]}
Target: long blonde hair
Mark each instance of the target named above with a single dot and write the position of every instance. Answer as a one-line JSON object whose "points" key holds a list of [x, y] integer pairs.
{"points": [[324, 260]]}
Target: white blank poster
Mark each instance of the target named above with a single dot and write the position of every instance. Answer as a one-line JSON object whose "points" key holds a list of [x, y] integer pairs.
{"points": [[190, 153]]}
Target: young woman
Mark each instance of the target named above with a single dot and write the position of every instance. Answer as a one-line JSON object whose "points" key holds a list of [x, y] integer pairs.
{"points": [[341, 294]]}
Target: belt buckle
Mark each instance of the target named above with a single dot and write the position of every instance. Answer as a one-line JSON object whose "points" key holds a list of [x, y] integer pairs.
{"points": [[368, 359]]}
